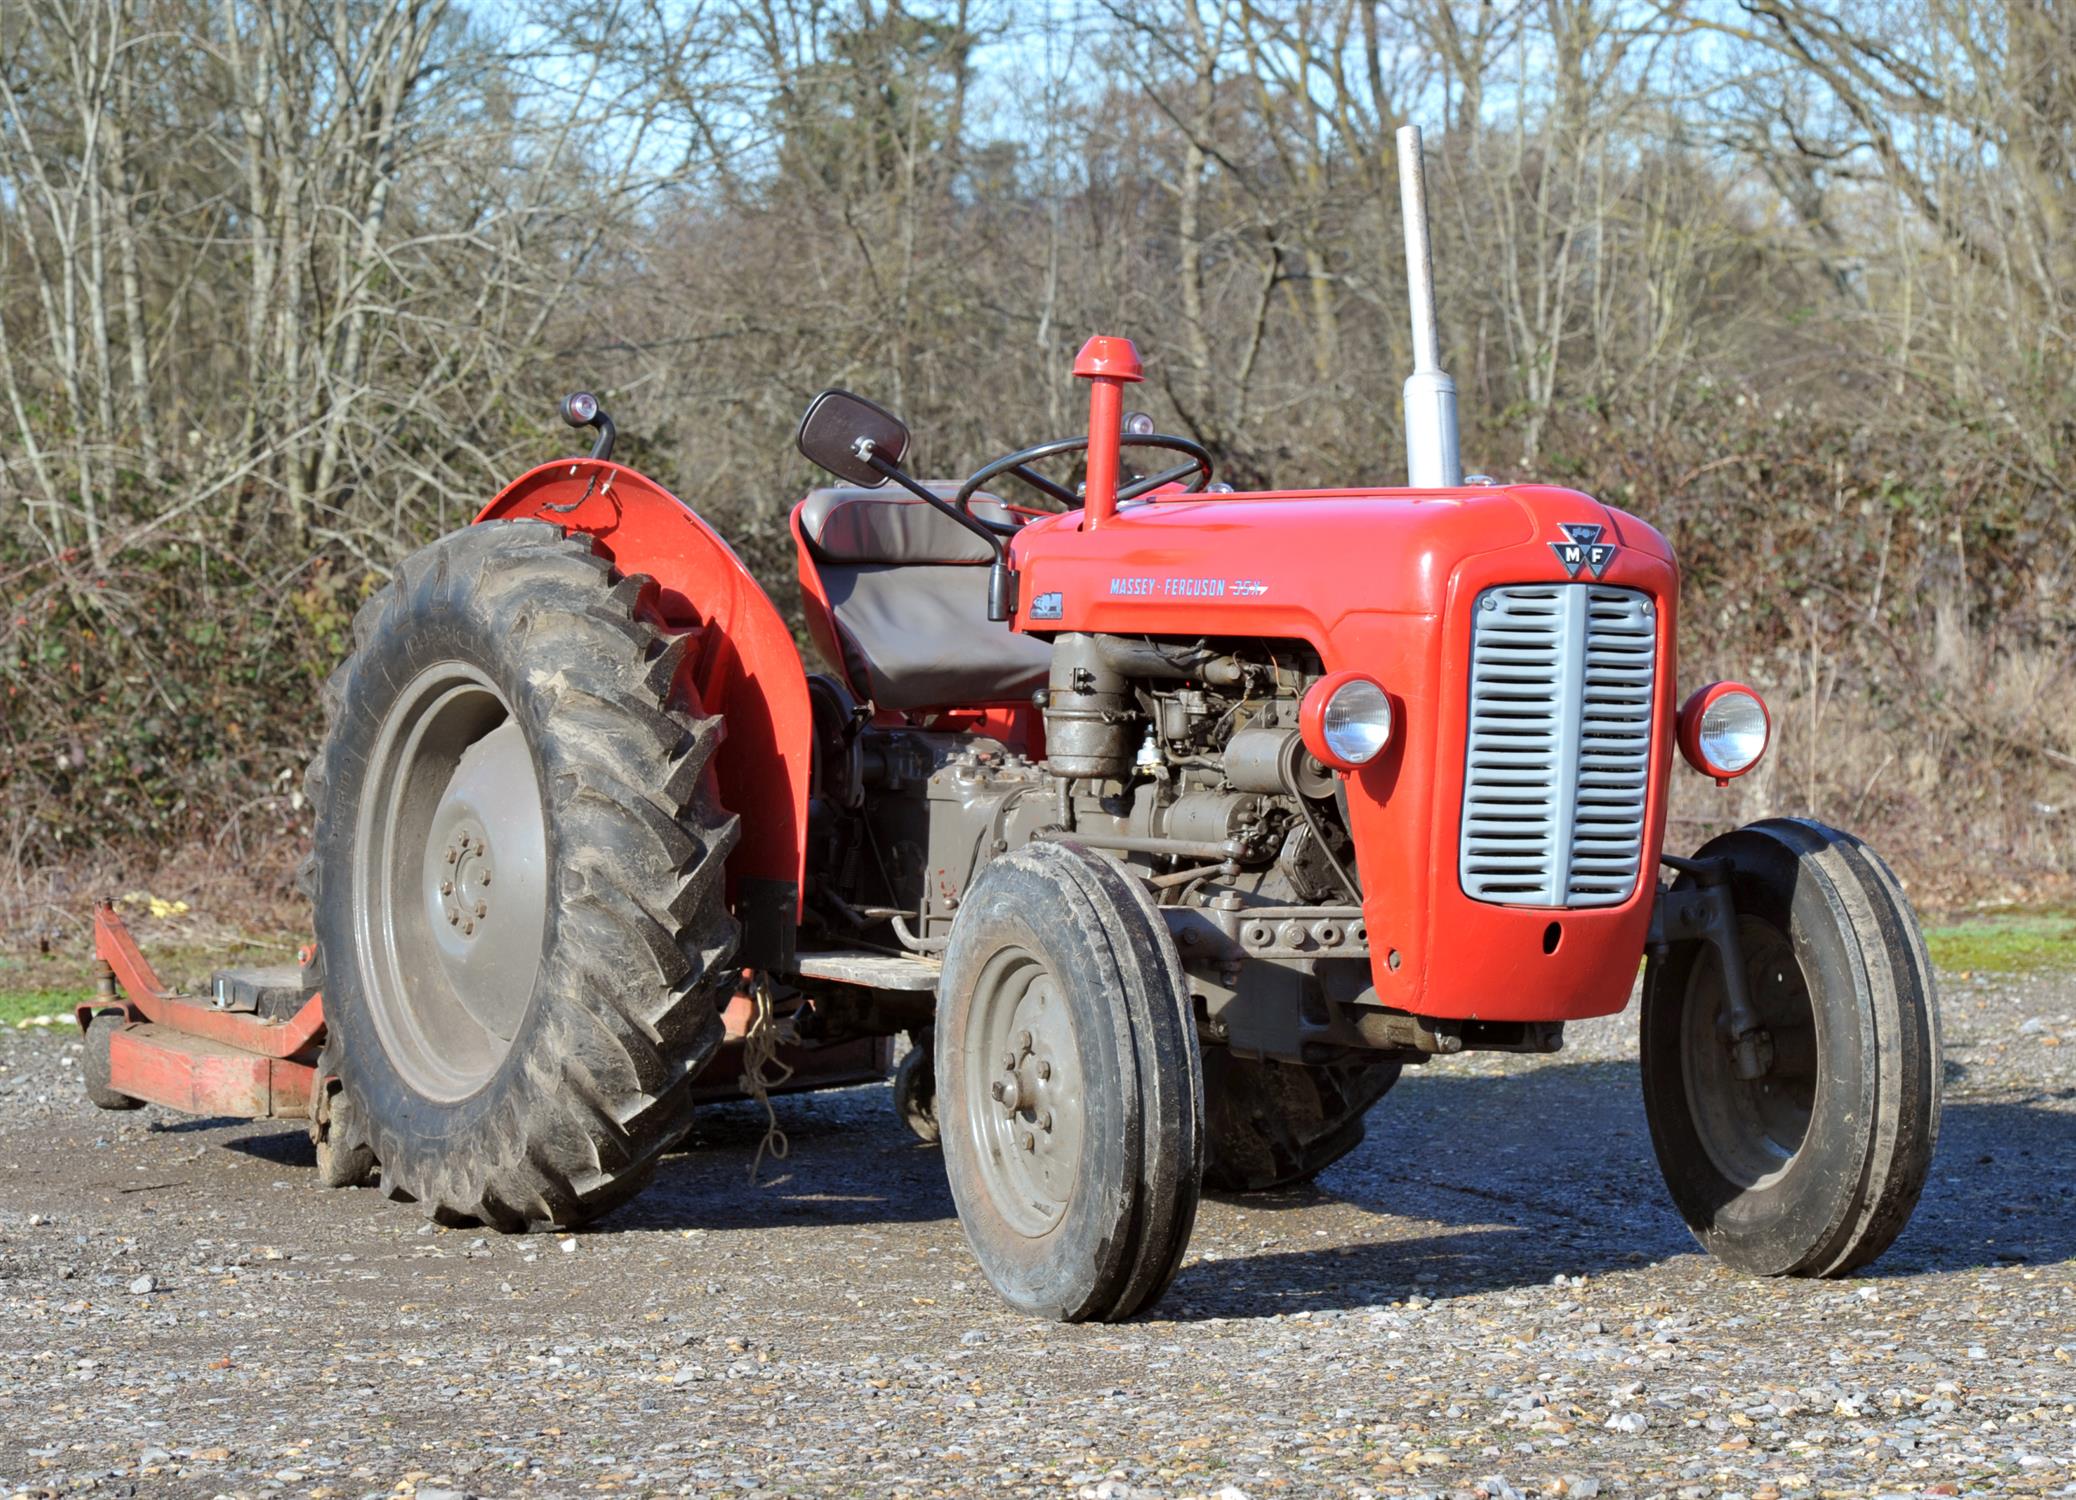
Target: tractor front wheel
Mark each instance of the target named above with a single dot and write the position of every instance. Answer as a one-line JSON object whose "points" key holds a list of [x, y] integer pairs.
{"points": [[517, 882], [1812, 1167], [1070, 1096]]}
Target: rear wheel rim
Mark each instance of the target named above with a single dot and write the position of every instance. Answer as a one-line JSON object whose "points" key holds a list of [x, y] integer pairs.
{"points": [[1751, 1129], [450, 881], [1024, 1102]]}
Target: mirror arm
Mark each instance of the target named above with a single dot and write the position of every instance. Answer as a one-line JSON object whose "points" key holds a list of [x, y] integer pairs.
{"points": [[1001, 579], [602, 450], [972, 523]]}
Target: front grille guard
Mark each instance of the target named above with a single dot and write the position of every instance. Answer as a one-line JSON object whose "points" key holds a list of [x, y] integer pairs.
{"points": [[1557, 754]]}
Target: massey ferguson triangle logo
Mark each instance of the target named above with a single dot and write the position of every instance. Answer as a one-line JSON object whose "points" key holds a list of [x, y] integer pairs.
{"points": [[1583, 549]]}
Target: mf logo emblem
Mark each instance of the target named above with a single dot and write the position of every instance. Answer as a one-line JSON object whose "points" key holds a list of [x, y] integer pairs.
{"points": [[1583, 548]]}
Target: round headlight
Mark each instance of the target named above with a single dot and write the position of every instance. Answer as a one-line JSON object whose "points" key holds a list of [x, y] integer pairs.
{"points": [[1724, 729], [1345, 720]]}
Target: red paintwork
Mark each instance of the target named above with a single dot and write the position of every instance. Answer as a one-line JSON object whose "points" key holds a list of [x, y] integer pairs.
{"points": [[1018, 725], [1690, 729], [1382, 581], [146, 999], [1312, 718], [1107, 364], [747, 668], [814, 604], [165, 1065]]}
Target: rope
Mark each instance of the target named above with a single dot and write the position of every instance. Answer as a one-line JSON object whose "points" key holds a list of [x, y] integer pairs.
{"points": [[762, 1071]]}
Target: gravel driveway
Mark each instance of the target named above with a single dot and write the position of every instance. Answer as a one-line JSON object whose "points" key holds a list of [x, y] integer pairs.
{"points": [[1492, 1295]]}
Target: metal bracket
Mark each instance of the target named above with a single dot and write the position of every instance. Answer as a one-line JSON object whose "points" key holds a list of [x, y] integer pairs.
{"points": [[769, 911], [1706, 912]]}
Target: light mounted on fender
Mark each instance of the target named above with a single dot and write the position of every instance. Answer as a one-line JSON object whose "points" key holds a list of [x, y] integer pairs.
{"points": [[1724, 729], [1345, 720]]}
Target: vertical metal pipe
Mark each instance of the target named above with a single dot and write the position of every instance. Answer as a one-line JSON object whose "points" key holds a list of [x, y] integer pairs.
{"points": [[1433, 458]]}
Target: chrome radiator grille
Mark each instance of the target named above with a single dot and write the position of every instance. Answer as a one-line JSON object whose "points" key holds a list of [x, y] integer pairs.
{"points": [[1558, 762]]}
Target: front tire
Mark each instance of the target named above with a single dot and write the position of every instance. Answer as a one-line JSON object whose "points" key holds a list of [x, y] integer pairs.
{"points": [[1070, 1095], [516, 1050], [1813, 1168]]}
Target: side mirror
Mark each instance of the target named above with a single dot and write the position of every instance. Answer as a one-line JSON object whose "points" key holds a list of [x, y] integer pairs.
{"points": [[842, 433]]}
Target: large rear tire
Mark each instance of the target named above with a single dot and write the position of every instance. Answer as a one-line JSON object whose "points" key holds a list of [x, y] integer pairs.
{"points": [[1813, 1168], [1275, 1124], [517, 881], [1070, 1098]]}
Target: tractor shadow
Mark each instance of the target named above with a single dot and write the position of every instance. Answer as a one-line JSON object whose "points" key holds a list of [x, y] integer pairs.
{"points": [[1548, 1171], [1473, 1182], [848, 1163], [1467, 1182]]}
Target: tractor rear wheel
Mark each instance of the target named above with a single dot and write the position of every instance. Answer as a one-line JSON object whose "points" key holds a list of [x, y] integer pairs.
{"points": [[517, 882], [1812, 1168], [1070, 1097], [1274, 1124]]}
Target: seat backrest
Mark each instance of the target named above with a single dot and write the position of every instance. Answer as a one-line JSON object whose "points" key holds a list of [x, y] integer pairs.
{"points": [[854, 526]]}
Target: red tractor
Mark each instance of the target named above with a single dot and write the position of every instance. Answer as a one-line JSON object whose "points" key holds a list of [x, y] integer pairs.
{"points": [[1168, 822]]}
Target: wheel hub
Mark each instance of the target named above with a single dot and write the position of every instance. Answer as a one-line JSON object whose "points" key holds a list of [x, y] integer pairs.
{"points": [[1030, 1117], [464, 892]]}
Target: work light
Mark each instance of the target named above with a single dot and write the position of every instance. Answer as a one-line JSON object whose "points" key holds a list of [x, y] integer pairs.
{"points": [[1345, 719]]}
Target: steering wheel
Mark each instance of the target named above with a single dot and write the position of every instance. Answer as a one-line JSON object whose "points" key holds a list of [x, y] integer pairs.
{"points": [[1018, 466]]}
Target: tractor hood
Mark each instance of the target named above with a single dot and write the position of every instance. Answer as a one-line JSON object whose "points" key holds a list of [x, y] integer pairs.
{"points": [[1387, 582], [1293, 563]]}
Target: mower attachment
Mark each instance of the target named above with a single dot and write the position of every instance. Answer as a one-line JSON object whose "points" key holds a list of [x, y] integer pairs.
{"points": [[191, 1055]]}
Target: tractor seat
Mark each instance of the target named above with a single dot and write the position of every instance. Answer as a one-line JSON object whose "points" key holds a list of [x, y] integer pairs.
{"points": [[906, 590]]}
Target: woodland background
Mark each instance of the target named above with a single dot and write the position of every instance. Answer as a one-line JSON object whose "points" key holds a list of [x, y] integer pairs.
{"points": [[286, 289]]}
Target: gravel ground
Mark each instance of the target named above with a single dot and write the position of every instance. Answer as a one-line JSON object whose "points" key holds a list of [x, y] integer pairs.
{"points": [[1492, 1295]]}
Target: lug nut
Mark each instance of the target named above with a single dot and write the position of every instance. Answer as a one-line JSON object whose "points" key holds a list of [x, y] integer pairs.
{"points": [[468, 929], [1045, 1122], [453, 919], [1044, 1069], [451, 855], [997, 1089], [482, 909], [1030, 1141], [483, 878], [1009, 1062], [1023, 1041], [446, 888]]}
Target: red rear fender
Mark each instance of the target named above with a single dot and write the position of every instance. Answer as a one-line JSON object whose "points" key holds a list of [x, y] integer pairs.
{"points": [[747, 668]]}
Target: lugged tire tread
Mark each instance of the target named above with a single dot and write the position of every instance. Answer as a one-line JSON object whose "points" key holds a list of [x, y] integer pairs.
{"points": [[643, 950]]}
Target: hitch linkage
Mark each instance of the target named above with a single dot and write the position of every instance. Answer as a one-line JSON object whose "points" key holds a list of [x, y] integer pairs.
{"points": [[1705, 912]]}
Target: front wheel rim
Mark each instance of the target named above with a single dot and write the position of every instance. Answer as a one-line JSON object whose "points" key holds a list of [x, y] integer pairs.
{"points": [[1024, 1098], [450, 881]]}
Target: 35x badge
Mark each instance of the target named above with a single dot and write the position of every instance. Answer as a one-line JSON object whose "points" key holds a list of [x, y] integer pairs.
{"points": [[1583, 548]]}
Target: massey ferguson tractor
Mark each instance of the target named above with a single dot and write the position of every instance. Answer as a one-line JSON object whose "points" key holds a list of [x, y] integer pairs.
{"points": [[1168, 823]]}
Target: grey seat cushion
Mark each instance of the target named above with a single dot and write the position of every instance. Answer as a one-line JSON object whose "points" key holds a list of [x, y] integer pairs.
{"points": [[908, 587]]}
